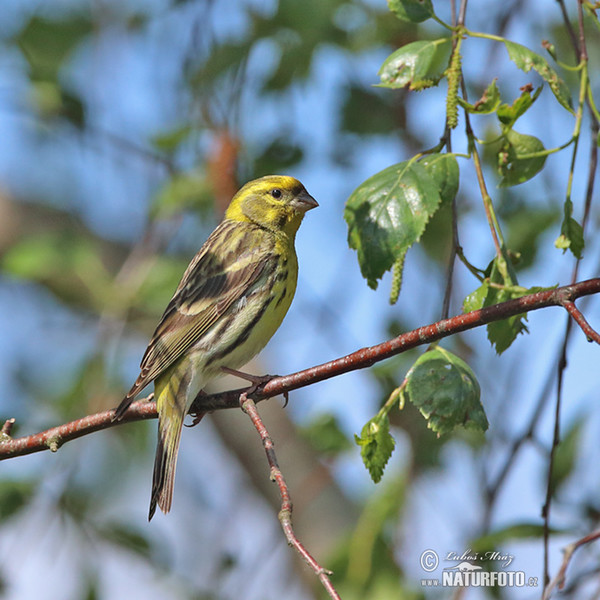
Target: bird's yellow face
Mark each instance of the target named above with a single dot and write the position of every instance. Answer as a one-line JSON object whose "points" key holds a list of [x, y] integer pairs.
{"points": [[276, 202]]}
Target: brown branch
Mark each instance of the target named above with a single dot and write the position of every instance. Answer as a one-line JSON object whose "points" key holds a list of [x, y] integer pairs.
{"points": [[144, 409], [559, 579], [591, 334], [7, 427], [285, 514], [52, 439]]}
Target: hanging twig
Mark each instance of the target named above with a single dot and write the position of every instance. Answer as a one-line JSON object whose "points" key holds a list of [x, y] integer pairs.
{"points": [[285, 514]]}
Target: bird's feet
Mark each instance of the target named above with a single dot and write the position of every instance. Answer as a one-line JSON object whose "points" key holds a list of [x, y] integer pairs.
{"points": [[196, 415], [255, 380]]}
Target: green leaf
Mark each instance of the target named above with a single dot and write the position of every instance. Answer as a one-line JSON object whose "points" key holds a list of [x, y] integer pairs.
{"points": [[509, 113], [515, 170], [376, 446], [443, 169], [444, 388], [474, 301], [413, 11], [414, 65], [503, 333], [526, 59], [488, 102], [389, 212], [326, 436], [571, 233]]}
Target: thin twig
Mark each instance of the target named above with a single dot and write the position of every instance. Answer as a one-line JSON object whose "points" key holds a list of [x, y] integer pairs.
{"points": [[487, 199], [454, 242], [580, 50], [462, 15], [285, 514], [591, 334], [559, 579], [569, 28], [365, 357], [562, 365], [7, 427]]}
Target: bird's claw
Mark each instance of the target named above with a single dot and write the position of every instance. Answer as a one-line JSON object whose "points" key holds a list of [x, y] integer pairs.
{"points": [[256, 380], [197, 417]]}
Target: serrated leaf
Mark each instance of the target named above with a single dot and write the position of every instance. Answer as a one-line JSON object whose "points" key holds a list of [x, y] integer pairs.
{"points": [[376, 446], [443, 169], [515, 170], [526, 59], [509, 113], [413, 11], [502, 334], [446, 392], [474, 301], [389, 212], [571, 233], [414, 65], [488, 102]]}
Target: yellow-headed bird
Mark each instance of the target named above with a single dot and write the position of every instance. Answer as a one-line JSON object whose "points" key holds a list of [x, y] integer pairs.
{"points": [[232, 298]]}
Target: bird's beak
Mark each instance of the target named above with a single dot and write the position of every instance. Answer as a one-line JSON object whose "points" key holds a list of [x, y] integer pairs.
{"points": [[305, 202]]}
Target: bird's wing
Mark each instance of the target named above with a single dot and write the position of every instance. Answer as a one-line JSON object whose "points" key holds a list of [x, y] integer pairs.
{"points": [[213, 282]]}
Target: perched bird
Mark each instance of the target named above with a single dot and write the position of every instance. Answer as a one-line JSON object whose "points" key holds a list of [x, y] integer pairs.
{"points": [[232, 298]]}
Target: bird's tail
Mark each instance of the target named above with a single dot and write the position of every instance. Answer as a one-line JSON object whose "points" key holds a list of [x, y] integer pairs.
{"points": [[170, 395]]}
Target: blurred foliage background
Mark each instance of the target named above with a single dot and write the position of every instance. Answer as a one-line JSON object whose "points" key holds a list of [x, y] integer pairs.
{"points": [[126, 128]]}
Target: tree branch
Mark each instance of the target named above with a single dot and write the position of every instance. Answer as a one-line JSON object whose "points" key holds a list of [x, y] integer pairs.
{"points": [[591, 334], [52, 439], [285, 514], [559, 579]]}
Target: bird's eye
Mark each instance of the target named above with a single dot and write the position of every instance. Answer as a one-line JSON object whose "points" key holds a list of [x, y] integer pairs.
{"points": [[276, 193]]}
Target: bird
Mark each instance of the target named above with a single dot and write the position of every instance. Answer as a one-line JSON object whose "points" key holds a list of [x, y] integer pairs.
{"points": [[231, 299]]}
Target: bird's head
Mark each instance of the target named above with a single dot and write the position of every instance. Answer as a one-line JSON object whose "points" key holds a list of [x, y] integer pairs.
{"points": [[276, 202]]}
